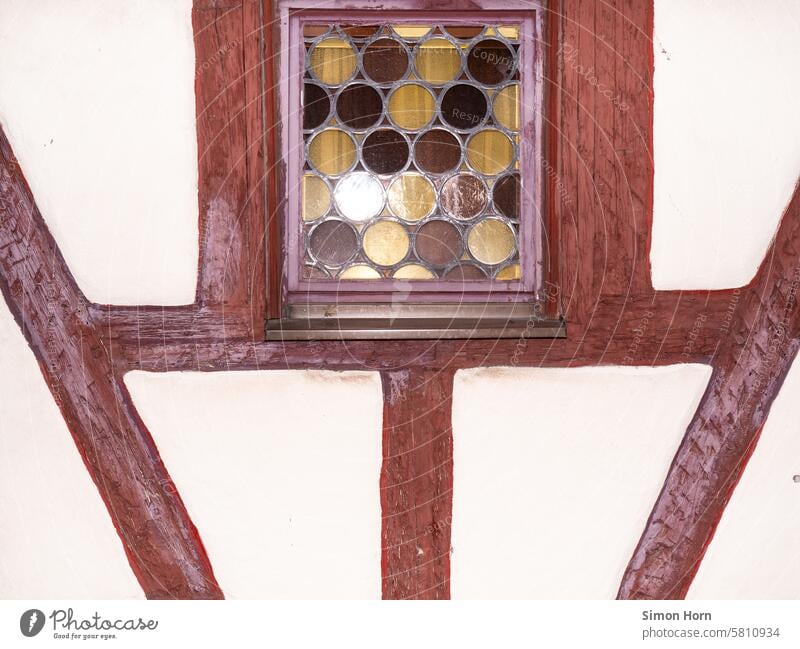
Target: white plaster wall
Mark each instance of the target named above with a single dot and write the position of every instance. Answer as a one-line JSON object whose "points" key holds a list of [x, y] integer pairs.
{"points": [[280, 472], [726, 136], [753, 554], [56, 537], [556, 472], [97, 99]]}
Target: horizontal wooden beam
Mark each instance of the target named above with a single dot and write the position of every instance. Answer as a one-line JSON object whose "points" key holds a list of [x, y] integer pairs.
{"points": [[656, 329], [148, 325]]}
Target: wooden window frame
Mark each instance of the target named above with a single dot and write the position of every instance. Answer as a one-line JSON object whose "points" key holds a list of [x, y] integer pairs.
{"points": [[305, 309]]}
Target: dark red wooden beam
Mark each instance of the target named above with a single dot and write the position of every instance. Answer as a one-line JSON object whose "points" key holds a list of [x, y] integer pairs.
{"points": [[416, 484], [749, 368], [655, 329], [230, 133], [605, 167], [158, 536]]}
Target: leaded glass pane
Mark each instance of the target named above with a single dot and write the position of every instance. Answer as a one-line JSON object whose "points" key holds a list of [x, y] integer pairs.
{"points": [[411, 137]]}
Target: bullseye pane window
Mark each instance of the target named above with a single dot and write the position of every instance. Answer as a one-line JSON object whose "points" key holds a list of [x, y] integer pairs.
{"points": [[411, 154]]}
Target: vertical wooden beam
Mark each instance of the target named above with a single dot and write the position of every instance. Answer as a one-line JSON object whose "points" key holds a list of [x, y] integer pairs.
{"points": [[580, 222], [633, 100], [606, 151], [162, 544], [416, 484], [228, 90], [753, 359], [610, 254]]}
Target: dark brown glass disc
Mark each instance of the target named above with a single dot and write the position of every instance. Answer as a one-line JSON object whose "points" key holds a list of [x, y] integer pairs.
{"points": [[385, 151], [439, 243], [437, 151], [463, 31], [464, 106], [385, 60], [506, 195], [359, 106], [463, 196], [316, 106], [333, 242], [360, 31], [313, 31], [490, 62], [464, 271]]}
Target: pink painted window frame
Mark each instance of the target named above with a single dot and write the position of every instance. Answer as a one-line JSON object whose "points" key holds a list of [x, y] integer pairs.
{"points": [[292, 15]]}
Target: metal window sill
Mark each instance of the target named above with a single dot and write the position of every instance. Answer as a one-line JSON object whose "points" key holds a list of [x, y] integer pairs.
{"points": [[412, 328]]}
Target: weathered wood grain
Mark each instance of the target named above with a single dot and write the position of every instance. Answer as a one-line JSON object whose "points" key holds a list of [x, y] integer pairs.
{"points": [[158, 536], [228, 69], [749, 368], [656, 329], [605, 135], [416, 484]]}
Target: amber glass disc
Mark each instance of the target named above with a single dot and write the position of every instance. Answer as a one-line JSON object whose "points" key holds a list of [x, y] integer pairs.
{"points": [[413, 271], [437, 61], [332, 152], [411, 197], [386, 242], [411, 32], [490, 152], [359, 271], [411, 106], [510, 32], [491, 241], [316, 197], [333, 61], [507, 273], [506, 107]]}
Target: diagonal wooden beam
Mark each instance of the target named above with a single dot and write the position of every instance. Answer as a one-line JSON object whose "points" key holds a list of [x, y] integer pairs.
{"points": [[416, 484], [749, 370], [158, 536]]}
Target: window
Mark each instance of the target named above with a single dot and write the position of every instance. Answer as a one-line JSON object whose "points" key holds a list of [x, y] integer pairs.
{"points": [[414, 200]]}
